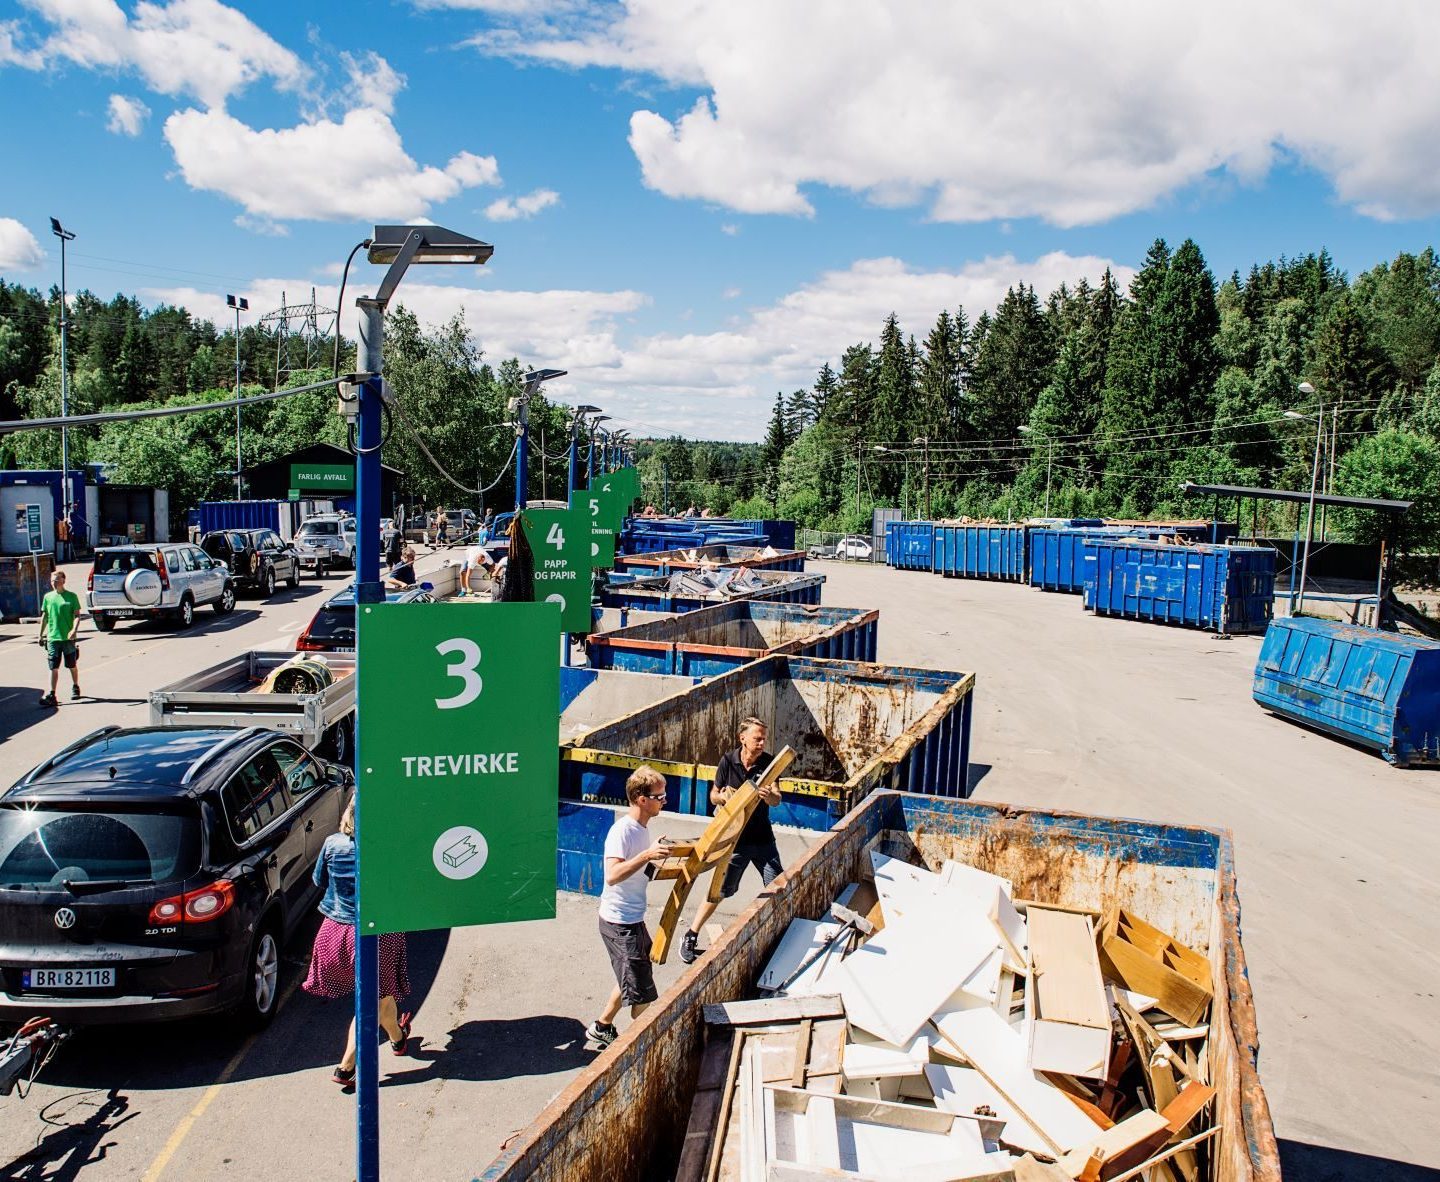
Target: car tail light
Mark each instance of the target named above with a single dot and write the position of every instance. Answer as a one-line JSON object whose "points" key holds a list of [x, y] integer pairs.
{"points": [[90, 580], [303, 643], [198, 906], [162, 570]]}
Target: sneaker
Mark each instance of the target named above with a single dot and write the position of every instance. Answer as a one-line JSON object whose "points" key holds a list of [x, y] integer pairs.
{"points": [[75, 694], [48, 700], [603, 1033], [688, 951], [346, 1079], [400, 1045]]}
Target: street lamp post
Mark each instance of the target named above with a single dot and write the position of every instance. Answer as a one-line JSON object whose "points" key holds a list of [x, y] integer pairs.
{"points": [[240, 304], [533, 381], [65, 236], [576, 420], [399, 246], [1307, 389], [590, 471], [925, 441]]}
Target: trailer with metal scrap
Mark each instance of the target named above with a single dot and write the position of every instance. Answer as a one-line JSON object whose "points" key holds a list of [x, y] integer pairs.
{"points": [[687, 591], [716, 639], [308, 695], [625, 1117], [717, 554], [855, 727], [1380, 690]]}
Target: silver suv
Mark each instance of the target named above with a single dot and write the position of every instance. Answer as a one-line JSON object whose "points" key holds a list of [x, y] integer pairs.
{"points": [[326, 540], [143, 582]]}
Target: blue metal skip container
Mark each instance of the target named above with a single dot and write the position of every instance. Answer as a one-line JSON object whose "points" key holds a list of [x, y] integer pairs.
{"points": [[910, 545], [981, 552], [654, 594], [1062, 558], [717, 639], [854, 726], [1378, 689], [1225, 588]]}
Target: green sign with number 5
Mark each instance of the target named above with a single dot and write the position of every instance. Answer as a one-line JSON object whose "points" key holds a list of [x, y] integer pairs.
{"points": [[599, 507], [459, 770], [560, 543]]}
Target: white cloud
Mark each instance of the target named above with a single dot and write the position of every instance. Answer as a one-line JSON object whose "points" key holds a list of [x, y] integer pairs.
{"points": [[199, 48], [980, 112], [730, 293], [18, 249], [353, 169], [729, 228], [509, 209], [374, 82], [127, 115], [716, 384]]}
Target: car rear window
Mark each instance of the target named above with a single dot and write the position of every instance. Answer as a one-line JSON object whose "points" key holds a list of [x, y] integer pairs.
{"points": [[47, 846], [334, 625], [320, 528], [122, 562]]}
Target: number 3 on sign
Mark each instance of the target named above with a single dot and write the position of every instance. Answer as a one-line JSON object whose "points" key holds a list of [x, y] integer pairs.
{"points": [[464, 669], [556, 536]]}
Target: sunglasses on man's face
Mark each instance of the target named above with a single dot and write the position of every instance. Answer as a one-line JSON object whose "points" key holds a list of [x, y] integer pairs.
{"points": [[654, 796]]}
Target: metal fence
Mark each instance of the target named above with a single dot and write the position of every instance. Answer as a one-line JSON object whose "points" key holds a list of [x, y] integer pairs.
{"points": [[821, 544]]}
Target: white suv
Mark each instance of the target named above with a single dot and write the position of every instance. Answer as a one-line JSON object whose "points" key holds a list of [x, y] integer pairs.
{"points": [[143, 582], [326, 540]]}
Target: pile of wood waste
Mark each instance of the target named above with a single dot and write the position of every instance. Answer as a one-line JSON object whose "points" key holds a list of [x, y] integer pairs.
{"points": [[933, 1028]]}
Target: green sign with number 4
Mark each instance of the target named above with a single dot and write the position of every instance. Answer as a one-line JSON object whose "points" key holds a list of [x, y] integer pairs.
{"points": [[458, 765], [560, 542]]}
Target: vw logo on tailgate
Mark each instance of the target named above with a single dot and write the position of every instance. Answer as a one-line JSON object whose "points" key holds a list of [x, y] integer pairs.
{"points": [[64, 919]]}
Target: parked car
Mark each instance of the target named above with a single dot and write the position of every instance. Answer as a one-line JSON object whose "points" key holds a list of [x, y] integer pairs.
{"points": [[258, 558], [332, 630], [169, 580], [150, 874], [326, 540], [855, 547]]}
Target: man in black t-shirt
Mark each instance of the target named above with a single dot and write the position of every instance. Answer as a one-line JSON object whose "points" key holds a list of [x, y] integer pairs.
{"points": [[756, 845]]}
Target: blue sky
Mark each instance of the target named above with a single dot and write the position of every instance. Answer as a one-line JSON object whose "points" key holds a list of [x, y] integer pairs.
{"points": [[694, 203]]}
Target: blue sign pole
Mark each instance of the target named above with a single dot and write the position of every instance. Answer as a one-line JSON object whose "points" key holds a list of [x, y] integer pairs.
{"points": [[368, 589]]}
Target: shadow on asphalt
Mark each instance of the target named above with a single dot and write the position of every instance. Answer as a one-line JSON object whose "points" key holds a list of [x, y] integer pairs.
{"points": [[83, 1123], [306, 1033], [207, 623], [1320, 1163], [503, 1048]]}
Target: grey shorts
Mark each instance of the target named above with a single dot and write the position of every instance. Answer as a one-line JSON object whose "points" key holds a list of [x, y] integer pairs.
{"points": [[628, 945], [765, 858]]}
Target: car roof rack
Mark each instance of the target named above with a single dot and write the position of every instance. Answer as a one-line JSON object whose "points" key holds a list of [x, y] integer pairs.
{"points": [[219, 749], [67, 750]]}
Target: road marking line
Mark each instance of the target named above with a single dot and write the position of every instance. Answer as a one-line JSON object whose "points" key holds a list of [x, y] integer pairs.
{"points": [[182, 1130]]}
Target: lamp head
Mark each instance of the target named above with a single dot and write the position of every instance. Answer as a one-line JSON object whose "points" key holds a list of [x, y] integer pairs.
{"points": [[437, 245], [1295, 414], [1306, 389]]}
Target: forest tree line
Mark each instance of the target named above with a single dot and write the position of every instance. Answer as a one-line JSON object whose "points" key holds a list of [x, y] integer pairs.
{"points": [[1103, 401], [1095, 400]]}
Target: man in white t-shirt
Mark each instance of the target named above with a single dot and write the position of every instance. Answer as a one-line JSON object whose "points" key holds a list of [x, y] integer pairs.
{"points": [[628, 850], [477, 560]]}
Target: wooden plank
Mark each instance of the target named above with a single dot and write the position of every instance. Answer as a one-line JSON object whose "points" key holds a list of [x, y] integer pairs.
{"points": [[1068, 1015], [710, 1089], [1114, 1141], [727, 1104], [1187, 1105], [1164, 1155], [1146, 960], [763, 1010], [802, 1052]]}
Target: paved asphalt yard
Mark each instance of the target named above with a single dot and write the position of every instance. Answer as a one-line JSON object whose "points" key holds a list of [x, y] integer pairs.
{"points": [[1336, 855]]}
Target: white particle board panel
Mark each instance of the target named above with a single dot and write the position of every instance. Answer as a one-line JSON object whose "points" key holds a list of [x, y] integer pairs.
{"points": [[998, 1052], [963, 1090], [802, 940]]}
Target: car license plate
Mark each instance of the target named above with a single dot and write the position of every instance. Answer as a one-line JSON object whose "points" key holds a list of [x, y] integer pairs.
{"points": [[122, 613], [67, 978]]}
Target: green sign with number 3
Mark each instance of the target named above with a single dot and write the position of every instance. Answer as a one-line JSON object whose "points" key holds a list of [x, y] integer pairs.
{"points": [[459, 770], [560, 543]]}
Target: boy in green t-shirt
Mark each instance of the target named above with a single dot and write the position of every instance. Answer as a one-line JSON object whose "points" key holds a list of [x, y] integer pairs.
{"points": [[59, 621]]}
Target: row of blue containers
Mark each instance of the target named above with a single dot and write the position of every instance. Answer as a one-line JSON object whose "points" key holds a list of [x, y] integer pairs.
{"points": [[645, 535], [1380, 690]]}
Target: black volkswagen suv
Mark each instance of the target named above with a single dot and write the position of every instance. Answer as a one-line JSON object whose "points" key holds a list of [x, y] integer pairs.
{"points": [[155, 873]]}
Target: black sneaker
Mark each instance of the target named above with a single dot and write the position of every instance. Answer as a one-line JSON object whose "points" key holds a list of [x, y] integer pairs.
{"points": [[602, 1033], [346, 1079], [688, 951], [48, 700], [75, 694]]}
